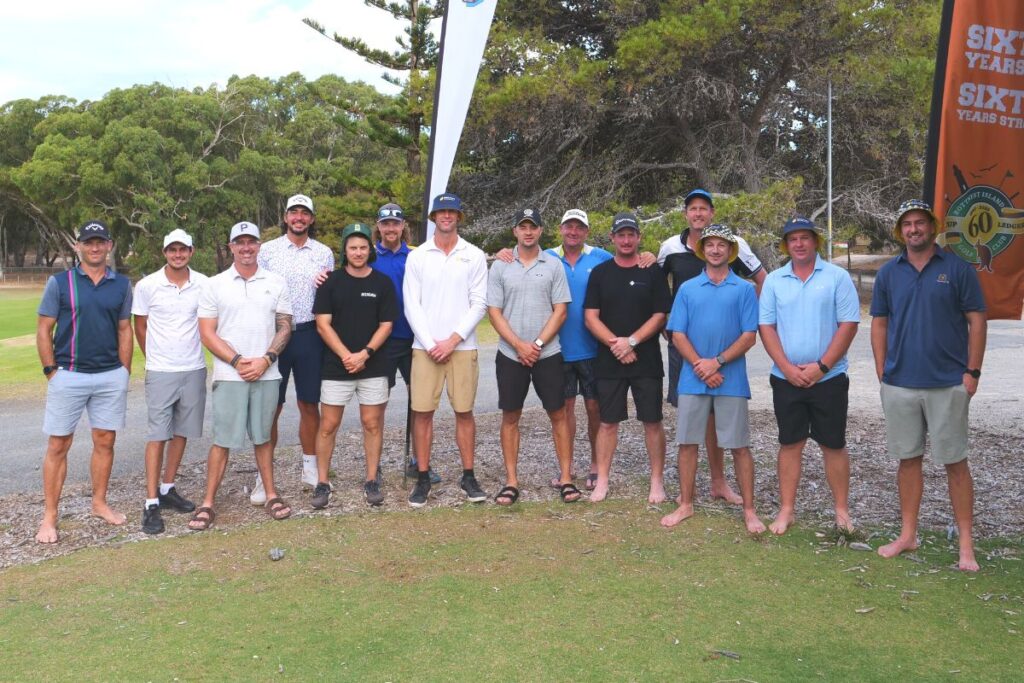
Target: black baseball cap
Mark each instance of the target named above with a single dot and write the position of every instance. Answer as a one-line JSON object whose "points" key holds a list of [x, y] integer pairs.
{"points": [[92, 229], [623, 220], [528, 214]]}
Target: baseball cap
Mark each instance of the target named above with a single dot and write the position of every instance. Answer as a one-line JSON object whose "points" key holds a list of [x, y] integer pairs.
{"points": [[576, 214], [92, 229], [178, 235], [244, 228], [905, 208], [446, 201], [528, 214], [390, 212], [795, 225], [698, 193], [722, 232], [299, 200], [623, 220], [361, 229]]}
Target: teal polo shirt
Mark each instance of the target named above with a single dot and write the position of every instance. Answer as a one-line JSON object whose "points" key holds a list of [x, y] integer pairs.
{"points": [[577, 342]]}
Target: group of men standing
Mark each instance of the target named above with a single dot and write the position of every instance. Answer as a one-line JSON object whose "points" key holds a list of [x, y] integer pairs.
{"points": [[573, 320]]}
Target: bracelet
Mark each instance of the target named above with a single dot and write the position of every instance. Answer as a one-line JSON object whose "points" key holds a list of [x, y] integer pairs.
{"points": [[234, 361]]}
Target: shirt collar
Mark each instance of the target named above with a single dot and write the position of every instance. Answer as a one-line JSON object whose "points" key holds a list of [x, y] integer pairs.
{"points": [[560, 250], [788, 268], [541, 254], [936, 252], [259, 274], [730, 278], [403, 248], [107, 275]]}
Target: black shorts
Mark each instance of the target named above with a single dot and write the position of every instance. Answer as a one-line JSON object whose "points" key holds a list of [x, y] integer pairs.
{"points": [[514, 381], [611, 397], [675, 368], [303, 355], [818, 411], [399, 355], [579, 379]]}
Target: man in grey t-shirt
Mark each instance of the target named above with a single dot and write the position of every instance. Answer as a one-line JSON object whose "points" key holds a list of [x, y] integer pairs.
{"points": [[527, 303]]}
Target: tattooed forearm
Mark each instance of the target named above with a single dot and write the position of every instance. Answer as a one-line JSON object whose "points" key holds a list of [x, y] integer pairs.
{"points": [[282, 332]]}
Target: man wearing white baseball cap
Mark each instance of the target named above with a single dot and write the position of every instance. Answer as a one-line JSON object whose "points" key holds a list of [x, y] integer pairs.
{"points": [[166, 324], [304, 263]]}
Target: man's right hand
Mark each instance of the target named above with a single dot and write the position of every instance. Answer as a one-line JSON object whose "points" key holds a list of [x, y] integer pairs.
{"points": [[794, 375], [528, 353]]}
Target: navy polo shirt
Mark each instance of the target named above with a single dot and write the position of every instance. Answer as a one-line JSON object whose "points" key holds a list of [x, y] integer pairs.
{"points": [[392, 264], [926, 342], [85, 337]]}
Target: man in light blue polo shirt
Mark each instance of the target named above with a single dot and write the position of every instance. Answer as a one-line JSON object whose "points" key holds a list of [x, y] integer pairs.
{"points": [[713, 324], [808, 316]]}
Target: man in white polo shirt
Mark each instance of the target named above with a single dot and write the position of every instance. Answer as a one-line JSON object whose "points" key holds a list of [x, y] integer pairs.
{"points": [[167, 330], [445, 292], [245, 320]]}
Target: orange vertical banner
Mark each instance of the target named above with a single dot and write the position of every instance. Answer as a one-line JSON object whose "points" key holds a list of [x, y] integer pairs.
{"points": [[975, 170]]}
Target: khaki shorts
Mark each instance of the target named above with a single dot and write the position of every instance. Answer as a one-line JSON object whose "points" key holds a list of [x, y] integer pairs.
{"points": [[940, 413], [459, 374]]}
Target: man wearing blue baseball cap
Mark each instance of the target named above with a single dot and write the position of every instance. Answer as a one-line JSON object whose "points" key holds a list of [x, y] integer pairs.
{"points": [[445, 294], [928, 293], [678, 258], [808, 315]]}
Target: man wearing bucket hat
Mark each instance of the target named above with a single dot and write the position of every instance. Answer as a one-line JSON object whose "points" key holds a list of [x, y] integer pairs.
{"points": [[165, 309], [355, 310], [928, 293], [245, 321], [84, 341], [808, 316], [713, 324], [625, 309], [304, 263], [445, 293], [678, 258]]}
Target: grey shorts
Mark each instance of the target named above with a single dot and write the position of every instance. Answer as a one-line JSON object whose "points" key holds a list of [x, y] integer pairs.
{"points": [[732, 421], [176, 402], [241, 408], [940, 413], [369, 391], [68, 394]]}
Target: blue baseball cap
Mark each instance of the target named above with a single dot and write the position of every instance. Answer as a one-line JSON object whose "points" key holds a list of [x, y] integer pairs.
{"points": [[446, 201], [698, 194], [795, 225]]}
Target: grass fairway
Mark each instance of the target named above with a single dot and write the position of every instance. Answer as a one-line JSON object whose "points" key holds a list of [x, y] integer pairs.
{"points": [[18, 311], [542, 592]]}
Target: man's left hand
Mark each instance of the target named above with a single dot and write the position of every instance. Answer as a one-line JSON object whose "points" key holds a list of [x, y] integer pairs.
{"points": [[647, 259], [970, 384]]}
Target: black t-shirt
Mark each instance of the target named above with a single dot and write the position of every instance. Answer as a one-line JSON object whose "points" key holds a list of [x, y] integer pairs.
{"points": [[627, 298], [358, 305]]}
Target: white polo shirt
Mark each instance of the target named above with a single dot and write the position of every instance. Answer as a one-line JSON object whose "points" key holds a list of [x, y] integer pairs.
{"points": [[172, 327], [245, 311], [445, 293]]}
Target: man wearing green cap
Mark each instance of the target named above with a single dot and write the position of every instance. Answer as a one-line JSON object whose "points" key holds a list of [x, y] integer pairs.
{"points": [[355, 310]]}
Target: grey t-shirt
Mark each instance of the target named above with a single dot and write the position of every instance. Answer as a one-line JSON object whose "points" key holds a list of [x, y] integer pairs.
{"points": [[526, 296]]}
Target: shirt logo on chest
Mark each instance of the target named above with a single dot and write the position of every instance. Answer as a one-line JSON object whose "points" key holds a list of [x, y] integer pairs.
{"points": [[369, 294]]}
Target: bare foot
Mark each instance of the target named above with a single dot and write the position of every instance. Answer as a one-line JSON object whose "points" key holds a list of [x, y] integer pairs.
{"points": [[679, 499], [657, 494], [725, 492], [753, 522], [47, 532], [599, 493], [900, 545], [967, 561], [843, 521], [681, 513], [107, 514], [782, 522]]}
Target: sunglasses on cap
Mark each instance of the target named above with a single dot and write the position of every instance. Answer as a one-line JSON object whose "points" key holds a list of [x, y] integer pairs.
{"points": [[389, 213]]}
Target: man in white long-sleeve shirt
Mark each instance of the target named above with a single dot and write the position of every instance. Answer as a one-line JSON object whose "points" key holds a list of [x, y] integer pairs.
{"points": [[445, 292]]}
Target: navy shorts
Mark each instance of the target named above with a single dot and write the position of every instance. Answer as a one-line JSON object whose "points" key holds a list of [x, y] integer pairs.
{"points": [[579, 379], [819, 411], [399, 355], [303, 356]]}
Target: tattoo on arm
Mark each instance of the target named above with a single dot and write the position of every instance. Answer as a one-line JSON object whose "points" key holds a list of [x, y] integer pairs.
{"points": [[282, 332]]}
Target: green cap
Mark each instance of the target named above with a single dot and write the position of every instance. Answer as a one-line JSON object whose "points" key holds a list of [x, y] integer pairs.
{"points": [[363, 230]]}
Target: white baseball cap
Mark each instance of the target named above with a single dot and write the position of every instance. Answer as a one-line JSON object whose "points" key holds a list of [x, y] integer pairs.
{"points": [[244, 228], [576, 214], [178, 235], [299, 200]]}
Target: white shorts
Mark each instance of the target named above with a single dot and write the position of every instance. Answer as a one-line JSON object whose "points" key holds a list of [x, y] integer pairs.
{"points": [[371, 391]]}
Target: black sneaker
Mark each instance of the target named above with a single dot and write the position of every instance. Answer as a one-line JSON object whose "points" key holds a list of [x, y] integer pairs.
{"points": [[418, 497], [474, 493], [172, 500], [321, 496], [412, 470], [152, 522], [372, 491]]}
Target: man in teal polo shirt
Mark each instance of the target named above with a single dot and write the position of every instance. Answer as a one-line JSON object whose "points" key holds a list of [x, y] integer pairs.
{"points": [[927, 293], [84, 340], [808, 316]]}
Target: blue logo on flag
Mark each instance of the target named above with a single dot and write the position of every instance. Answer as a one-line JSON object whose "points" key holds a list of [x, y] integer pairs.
{"points": [[473, 3]]}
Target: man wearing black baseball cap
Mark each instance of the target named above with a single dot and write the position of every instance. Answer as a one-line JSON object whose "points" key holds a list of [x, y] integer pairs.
{"points": [[84, 340]]}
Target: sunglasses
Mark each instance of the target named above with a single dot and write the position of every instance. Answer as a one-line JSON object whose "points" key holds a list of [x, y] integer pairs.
{"points": [[390, 213]]}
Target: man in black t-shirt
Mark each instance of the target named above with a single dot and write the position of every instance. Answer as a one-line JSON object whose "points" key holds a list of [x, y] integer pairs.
{"points": [[355, 310], [625, 308]]}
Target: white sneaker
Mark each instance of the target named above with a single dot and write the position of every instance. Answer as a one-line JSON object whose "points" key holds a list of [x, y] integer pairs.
{"points": [[259, 495], [310, 476]]}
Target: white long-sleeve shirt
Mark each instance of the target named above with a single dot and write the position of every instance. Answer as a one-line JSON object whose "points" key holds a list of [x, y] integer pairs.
{"points": [[445, 293]]}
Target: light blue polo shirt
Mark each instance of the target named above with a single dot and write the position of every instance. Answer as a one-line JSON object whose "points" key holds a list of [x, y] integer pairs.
{"points": [[807, 314], [577, 342], [713, 317]]}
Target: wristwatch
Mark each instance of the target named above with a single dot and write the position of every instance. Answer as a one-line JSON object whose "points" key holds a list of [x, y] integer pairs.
{"points": [[272, 356], [720, 359], [539, 343], [369, 352], [973, 372], [824, 368], [632, 342], [47, 369]]}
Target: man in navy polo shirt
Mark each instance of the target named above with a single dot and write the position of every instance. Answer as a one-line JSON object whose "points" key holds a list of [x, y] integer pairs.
{"points": [[928, 294], [84, 340]]}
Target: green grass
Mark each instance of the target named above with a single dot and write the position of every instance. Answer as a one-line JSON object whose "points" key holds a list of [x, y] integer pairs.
{"points": [[18, 311], [541, 592]]}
